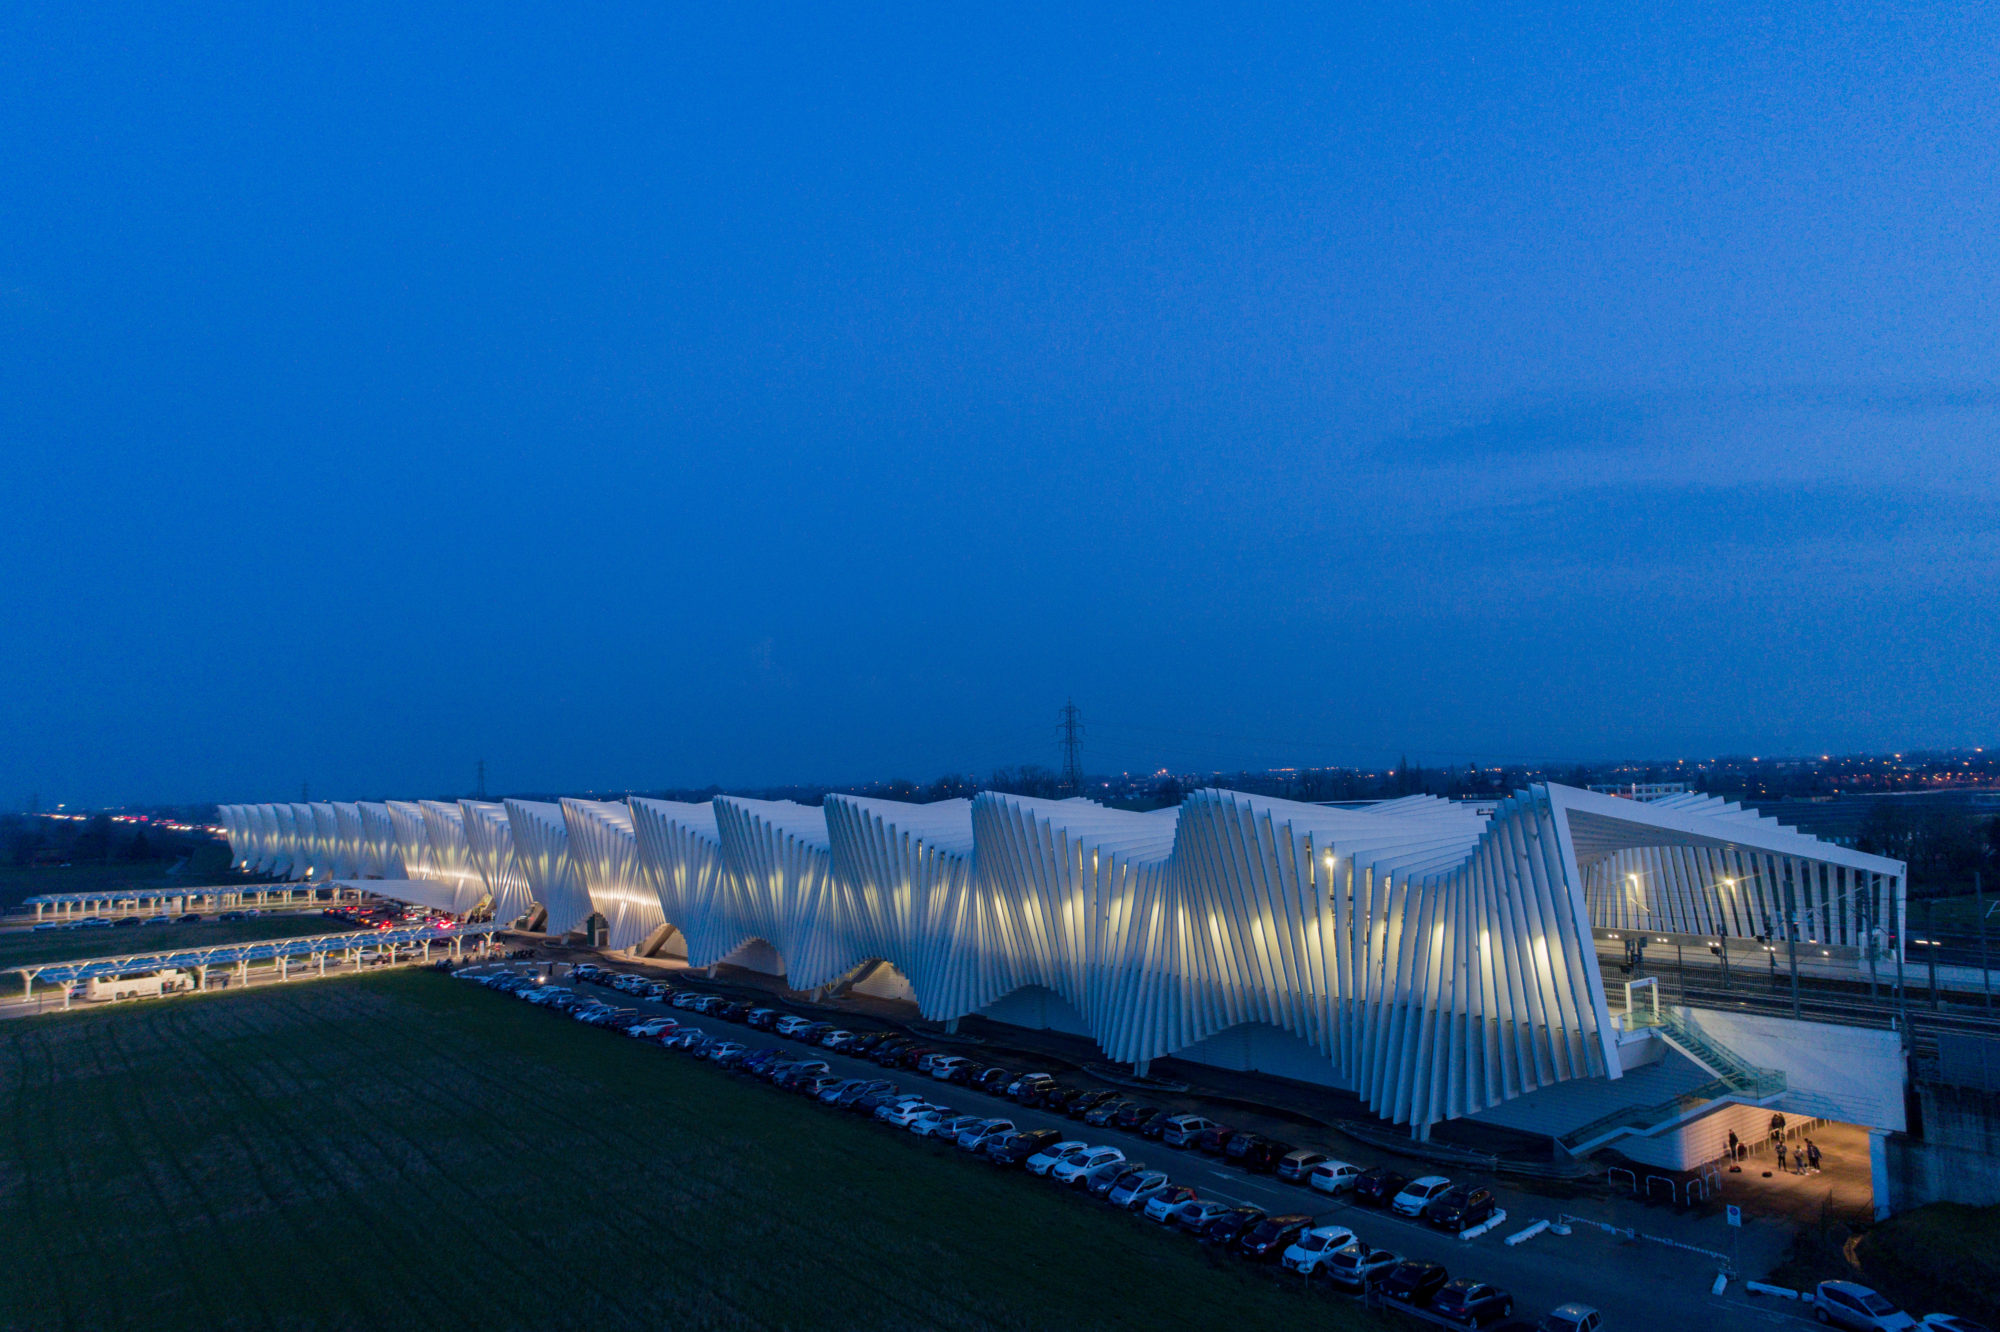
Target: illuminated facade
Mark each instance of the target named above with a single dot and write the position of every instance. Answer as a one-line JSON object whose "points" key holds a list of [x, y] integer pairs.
{"points": [[1437, 958]]}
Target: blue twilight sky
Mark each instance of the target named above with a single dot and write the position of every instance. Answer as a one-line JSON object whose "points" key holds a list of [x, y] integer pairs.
{"points": [[642, 395]]}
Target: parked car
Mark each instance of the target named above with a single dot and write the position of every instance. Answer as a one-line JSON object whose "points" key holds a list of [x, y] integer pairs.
{"points": [[1135, 1188], [1473, 1303], [1332, 1176], [1378, 1187], [1418, 1195], [724, 1053], [1357, 1265], [944, 1066], [1072, 1168], [1214, 1140], [993, 1081], [1084, 1102], [1296, 1166], [1162, 1205], [1945, 1322], [191, 918], [817, 1033], [901, 1116], [862, 1087], [1099, 1182], [763, 1019], [885, 1052], [1195, 1214], [1272, 1236], [1011, 1149], [1052, 1096], [940, 1123], [1240, 1145], [1026, 1083], [1049, 1157], [1462, 1208], [966, 1074], [1263, 1155], [1315, 1246], [1133, 1115], [1413, 1281], [1571, 1317], [1101, 1114], [1185, 1130], [802, 1075], [975, 1136], [1852, 1305], [1230, 1226], [791, 1024]]}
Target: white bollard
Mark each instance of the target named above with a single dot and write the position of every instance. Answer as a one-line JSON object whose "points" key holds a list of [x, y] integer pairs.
{"points": [[1721, 1283], [1523, 1236]]}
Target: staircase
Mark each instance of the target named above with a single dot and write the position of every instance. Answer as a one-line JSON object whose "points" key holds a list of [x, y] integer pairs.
{"points": [[1731, 1079]]}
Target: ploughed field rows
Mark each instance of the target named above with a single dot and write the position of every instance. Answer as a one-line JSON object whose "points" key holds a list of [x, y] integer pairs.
{"points": [[401, 1151]]}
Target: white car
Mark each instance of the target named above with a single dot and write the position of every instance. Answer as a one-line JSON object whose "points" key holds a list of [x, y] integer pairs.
{"points": [[1137, 1190], [1333, 1176], [1046, 1159], [1164, 1205], [1314, 1247], [977, 1134], [1072, 1169], [791, 1024], [904, 1114], [720, 1050], [942, 1065], [651, 1027], [932, 1120], [1419, 1194]]}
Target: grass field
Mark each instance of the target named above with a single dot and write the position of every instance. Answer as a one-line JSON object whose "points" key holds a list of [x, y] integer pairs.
{"points": [[1943, 1256], [406, 1150], [20, 947], [210, 865]]}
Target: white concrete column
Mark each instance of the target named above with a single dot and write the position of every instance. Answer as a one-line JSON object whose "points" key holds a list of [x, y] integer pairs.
{"points": [[1878, 1170]]}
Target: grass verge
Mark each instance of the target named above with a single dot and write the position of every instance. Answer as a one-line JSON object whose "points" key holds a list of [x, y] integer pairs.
{"points": [[26, 947], [406, 1150]]}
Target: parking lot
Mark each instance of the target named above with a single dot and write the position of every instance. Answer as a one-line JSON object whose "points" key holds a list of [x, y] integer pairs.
{"points": [[1634, 1281]]}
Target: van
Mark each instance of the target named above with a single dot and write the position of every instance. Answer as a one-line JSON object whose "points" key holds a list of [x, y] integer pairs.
{"points": [[1182, 1130]]}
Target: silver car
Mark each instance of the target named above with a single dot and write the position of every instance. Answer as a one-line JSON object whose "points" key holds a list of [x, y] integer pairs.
{"points": [[1850, 1304]]}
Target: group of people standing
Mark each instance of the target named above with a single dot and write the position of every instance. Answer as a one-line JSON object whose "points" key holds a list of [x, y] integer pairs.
{"points": [[1802, 1159]]}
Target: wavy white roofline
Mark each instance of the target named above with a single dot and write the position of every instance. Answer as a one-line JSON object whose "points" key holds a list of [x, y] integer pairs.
{"points": [[1439, 958]]}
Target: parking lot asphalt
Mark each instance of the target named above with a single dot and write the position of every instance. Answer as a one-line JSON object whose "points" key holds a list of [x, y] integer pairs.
{"points": [[1636, 1283]]}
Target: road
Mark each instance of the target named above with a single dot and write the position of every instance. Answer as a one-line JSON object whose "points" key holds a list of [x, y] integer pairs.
{"points": [[1637, 1284]]}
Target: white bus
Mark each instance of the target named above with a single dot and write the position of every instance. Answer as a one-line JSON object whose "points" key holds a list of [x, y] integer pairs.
{"points": [[149, 986]]}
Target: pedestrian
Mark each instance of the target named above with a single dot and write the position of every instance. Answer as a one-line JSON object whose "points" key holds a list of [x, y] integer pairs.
{"points": [[1733, 1144], [1798, 1160], [1812, 1155]]}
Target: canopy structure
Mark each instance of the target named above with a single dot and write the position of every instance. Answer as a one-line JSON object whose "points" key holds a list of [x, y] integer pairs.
{"points": [[1437, 956]]}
